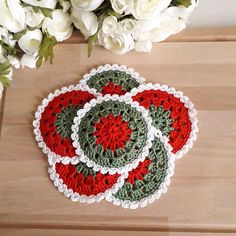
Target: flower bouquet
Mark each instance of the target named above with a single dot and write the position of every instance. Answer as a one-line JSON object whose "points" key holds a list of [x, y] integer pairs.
{"points": [[29, 29]]}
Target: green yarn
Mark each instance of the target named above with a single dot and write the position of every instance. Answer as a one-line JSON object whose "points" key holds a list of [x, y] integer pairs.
{"points": [[64, 120], [161, 119], [152, 180], [122, 156], [84, 170], [126, 81]]}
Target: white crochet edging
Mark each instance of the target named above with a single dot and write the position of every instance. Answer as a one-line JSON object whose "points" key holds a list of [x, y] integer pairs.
{"points": [[76, 197], [127, 204], [90, 163], [187, 103], [130, 71], [52, 156]]}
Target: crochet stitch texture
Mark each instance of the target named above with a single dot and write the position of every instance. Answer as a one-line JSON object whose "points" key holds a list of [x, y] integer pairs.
{"points": [[112, 133], [112, 82]]}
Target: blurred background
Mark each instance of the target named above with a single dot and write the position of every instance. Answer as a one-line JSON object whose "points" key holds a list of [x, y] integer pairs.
{"points": [[214, 13]]}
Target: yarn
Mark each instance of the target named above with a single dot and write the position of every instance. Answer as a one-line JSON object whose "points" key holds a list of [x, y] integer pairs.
{"points": [[56, 120]]}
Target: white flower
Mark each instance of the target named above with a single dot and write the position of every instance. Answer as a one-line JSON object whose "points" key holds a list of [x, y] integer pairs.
{"points": [[112, 37], [86, 5], [159, 28], [119, 6], [143, 46], [12, 15], [109, 24], [15, 62], [85, 21], [172, 21], [1, 90], [29, 60], [143, 9], [156, 29], [65, 5], [6, 37], [130, 26], [33, 18], [30, 41], [51, 4], [59, 26]]}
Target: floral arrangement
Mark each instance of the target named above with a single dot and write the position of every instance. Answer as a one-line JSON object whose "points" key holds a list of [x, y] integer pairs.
{"points": [[29, 29]]}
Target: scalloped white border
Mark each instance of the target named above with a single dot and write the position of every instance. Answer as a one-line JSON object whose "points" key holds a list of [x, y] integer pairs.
{"points": [[76, 197], [52, 156], [163, 187], [187, 103], [135, 75], [90, 163]]}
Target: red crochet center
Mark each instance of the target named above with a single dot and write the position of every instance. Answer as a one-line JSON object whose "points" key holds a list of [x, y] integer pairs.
{"points": [[178, 112], [90, 185], [57, 144], [139, 171], [111, 132], [112, 89]]}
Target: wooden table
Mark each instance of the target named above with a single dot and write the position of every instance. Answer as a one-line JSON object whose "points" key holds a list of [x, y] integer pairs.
{"points": [[202, 196]]}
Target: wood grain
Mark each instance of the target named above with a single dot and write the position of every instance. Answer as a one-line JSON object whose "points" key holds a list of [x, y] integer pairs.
{"points": [[63, 232], [188, 35], [202, 196]]}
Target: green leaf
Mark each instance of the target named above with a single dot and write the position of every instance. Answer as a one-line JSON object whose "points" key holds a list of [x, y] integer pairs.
{"points": [[8, 50], [5, 69], [91, 43], [185, 3], [46, 49], [18, 35], [113, 13], [5, 81], [46, 12]]}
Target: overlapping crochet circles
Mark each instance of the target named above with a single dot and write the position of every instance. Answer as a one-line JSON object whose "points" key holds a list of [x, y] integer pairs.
{"points": [[114, 137]]}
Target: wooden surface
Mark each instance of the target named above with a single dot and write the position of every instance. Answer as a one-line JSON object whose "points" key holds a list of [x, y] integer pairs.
{"points": [[201, 199], [189, 35]]}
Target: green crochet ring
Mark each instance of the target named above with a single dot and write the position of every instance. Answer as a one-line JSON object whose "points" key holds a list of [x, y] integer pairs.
{"points": [[112, 134], [112, 79]]}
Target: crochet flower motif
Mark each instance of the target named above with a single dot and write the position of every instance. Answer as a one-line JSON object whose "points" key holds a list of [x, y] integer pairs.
{"points": [[113, 137], [112, 133], [112, 79], [56, 119], [112, 89], [174, 114], [139, 172], [85, 184]]}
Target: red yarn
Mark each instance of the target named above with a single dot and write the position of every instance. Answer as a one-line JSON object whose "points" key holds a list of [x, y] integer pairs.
{"points": [[178, 112], [57, 144], [111, 132], [112, 89], [139, 171], [90, 185]]}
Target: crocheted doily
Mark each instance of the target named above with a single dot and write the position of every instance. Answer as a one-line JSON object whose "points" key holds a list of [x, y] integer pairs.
{"points": [[112, 134], [52, 126], [171, 112], [112, 79], [81, 183], [112, 137]]}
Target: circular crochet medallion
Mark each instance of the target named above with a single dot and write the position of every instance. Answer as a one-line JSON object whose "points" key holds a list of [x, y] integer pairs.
{"points": [[112, 134], [112, 79], [54, 118], [81, 183], [171, 112], [149, 180]]}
